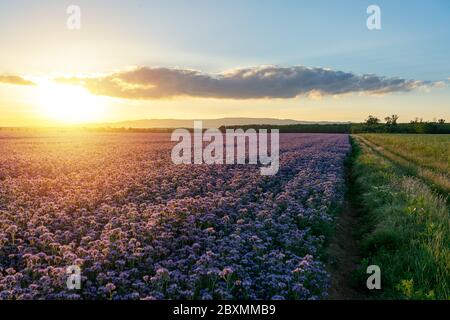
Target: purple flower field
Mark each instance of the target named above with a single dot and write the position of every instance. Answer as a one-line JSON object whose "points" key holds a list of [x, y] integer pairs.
{"points": [[141, 227]]}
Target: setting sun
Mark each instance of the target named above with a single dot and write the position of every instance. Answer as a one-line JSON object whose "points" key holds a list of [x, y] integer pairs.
{"points": [[67, 103]]}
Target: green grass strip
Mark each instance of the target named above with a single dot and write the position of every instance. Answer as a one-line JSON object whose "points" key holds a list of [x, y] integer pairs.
{"points": [[405, 229]]}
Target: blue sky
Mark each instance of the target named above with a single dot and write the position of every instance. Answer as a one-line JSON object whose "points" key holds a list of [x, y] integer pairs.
{"points": [[214, 36], [414, 40], [413, 43]]}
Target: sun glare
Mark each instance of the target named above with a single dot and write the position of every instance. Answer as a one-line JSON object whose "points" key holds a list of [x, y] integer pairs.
{"points": [[68, 103]]}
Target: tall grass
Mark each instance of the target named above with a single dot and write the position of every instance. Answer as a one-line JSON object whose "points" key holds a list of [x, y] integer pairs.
{"points": [[438, 180], [405, 229], [431, 151]]}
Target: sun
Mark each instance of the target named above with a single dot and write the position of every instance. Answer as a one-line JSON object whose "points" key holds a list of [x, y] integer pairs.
{"points": [[68, 104]]}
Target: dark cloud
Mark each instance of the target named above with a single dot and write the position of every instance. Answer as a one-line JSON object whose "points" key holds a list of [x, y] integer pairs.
{"points": [[247, 83], [17, 80]]}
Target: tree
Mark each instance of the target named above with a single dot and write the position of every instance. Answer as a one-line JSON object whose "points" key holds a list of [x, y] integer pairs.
{"points": [[371, 120], [392, 120], [441, 121], [417, 120], [388, 120]]}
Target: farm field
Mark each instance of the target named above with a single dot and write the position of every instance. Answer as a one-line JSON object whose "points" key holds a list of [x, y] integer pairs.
{"points": [[401, 187], [432, 151], [140, 227], [426, 156]]}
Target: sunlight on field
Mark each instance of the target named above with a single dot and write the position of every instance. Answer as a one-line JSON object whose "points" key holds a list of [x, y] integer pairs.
{"points": [[116, 206]]}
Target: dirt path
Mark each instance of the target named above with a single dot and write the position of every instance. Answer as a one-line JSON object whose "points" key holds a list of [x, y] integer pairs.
{"points": [[343, 253], [343, 250]]}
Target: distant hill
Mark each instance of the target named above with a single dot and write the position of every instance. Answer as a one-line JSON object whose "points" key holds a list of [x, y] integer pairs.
{"points": [[207, 123]]}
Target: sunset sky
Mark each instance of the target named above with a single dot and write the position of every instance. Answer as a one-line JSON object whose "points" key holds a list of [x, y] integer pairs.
{"points": [[304, 60]]}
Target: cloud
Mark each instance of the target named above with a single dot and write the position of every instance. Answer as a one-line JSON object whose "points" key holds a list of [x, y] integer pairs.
{"points": [[247, 83], [16, 80]]}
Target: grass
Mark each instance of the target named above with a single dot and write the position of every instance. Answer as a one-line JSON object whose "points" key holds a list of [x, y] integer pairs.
{"points": [[430, 151], [405, 225], [437, 180]]}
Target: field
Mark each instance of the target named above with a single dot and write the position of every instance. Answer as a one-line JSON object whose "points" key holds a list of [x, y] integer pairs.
{"points": [[401, 186], [140, 227], [426, 156]]}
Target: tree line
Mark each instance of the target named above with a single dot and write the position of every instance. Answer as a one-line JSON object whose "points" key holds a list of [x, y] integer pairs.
{"points": [[391, 125], [372, 124]]}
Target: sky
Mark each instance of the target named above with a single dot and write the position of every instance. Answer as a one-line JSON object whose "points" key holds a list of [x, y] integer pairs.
{"points": [[304, 60]]}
